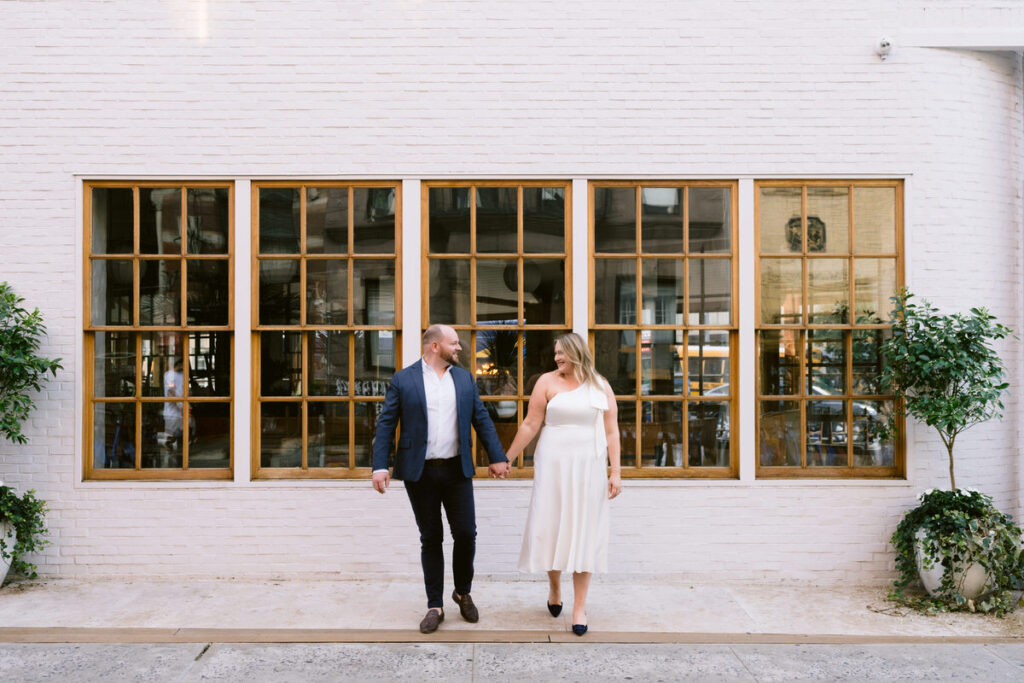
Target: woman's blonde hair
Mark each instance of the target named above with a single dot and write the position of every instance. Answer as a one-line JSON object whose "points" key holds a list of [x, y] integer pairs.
{"points": [[577, 352]]}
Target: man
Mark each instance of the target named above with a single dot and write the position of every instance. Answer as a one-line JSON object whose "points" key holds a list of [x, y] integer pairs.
{"points": [[436, 401]]}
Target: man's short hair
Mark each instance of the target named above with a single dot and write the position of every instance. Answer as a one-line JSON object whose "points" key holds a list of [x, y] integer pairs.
{"points": [[434, 333]]}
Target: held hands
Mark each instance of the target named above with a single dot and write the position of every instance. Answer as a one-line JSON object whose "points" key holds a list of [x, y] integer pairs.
{"points": [[614, 486], [499, 470], [381, 481]]}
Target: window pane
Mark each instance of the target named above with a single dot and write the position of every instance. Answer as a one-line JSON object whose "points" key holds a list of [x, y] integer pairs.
{"points": [[710, 291], [661, 373], [279, 220], [544, 290], [207, 292], [373, 292], [449, 291], [826, 363], [615, 359], [615, 291], [162, 432], [874, 282], [114, 364], [614, 219], [496, 219], [112, 293], [780, 224], [114, 436], [373, 220], [497, 362], [207, 220], [869, 448], [327, 292], [779, 357], [828, 291], [538, 356], [449, 220], [281, 363], [662, 297], [375, 361], [828, 220], [868, 361], [662, 437], [496, 291], [159, 292], [707, 361], [779, 433], [781, 291], [709, 433], [328, 363], [543, 219], [209, 364], [280, 435], [209, 442], [159, 220], [661, 220], [279, 292], [113, 220], [627, 432], [163, 364], [365, 430], [503, 415], [327, 220], [874, 220], [826, 433], [328, 434], [710, 220]]}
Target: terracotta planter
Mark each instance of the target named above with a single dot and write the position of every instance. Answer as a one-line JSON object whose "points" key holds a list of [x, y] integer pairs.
{"points": [[969, 581], [6, 533]]}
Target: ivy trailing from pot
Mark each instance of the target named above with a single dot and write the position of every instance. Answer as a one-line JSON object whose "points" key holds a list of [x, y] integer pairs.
{"points": [[25, 516]]}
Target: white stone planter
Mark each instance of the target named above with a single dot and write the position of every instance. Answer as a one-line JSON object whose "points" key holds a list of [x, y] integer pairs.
{"points": [[7, 533], [970, 582]]}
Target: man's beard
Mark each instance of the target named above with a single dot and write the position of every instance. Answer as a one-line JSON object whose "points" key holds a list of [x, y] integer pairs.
{"points": [[451, 359]]}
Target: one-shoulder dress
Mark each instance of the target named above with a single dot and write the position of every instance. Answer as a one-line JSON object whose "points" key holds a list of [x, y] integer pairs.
{"points": [[567, 523]]}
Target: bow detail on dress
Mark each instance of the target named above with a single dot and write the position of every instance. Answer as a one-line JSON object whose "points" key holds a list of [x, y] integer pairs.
{"points": [[599, 401]]}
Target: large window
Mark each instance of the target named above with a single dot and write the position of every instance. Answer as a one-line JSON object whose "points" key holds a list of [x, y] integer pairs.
{"points": [[829, 259], [495, 268], [158, 321], [326, 344], [663, 322]]}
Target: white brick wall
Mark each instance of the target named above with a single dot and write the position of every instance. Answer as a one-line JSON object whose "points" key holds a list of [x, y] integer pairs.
{"points": [[495, 89]]}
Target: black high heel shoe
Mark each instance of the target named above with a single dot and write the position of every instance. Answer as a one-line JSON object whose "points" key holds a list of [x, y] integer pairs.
{"points": [[555, 609], [579, 629]]}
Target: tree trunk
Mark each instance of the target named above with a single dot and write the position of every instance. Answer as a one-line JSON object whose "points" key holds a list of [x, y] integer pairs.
{"points": [[952, 479]]}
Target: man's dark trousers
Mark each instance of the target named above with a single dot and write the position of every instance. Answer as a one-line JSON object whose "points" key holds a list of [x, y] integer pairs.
{"points": [[443, 484]]}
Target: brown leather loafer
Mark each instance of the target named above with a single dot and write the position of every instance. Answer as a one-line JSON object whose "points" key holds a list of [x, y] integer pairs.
{"points": [[467, 609], [431, 621]]}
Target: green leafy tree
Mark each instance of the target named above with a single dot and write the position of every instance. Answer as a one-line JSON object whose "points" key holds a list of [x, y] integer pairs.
{"points": [[21, 369], [944, 368]]}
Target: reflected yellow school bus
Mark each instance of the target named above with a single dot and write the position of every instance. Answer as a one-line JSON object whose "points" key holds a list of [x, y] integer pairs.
{"points": [[707, 367]]}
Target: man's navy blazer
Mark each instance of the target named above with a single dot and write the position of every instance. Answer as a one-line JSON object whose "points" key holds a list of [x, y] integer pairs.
{"points": [[406, 402]]}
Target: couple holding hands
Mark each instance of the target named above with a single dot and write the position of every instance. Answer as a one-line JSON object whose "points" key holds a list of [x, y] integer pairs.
{"points": [[573, 409]]}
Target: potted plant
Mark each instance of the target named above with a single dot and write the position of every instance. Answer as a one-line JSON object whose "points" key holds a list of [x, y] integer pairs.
{"points": [[945, 373], [21, 530]]}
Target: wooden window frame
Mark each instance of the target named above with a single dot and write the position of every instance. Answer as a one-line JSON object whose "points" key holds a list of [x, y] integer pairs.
{"points": [[304, 471], [89, 331], [804, 471], [635, 470], [473, 256]]}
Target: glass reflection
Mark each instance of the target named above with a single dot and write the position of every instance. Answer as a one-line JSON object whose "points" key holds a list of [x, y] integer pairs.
{"points": [[327, 292], [828, 291], [279, 292], [660, 362], [874, 282], [615, 359], [279, 220], [114, 364], [869, 448], [209, 443], [112, 292], [365, 429], [159, 292], [496, 219], [163, 434], [497, 284], [449, 291], [662, 438], [544, 291], [326, 220], [710, 220], [874, 220], [373, 220], [449, 220], [328, 426], [710, 291], [780, 223], [114, 435], [207, 292], [827, 433], [781, 291], [207, 220], [868, 361], [826, 362], [615, 291], [614, 220], [661, 220], [159, 220], [627, 432], [163, 364], [707, 363], [828, 220], [373, 292], [538, 356], [778, 429], [113, 220], [375, 361], [280, 363], [662, 296], [281, 435], [779, 357], [328, 363], [708, 429], [209, 364], [504, 416], [497, 367], [543, 220]]}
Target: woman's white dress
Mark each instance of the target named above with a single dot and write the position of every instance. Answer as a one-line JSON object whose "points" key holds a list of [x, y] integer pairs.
{"points": [[567, 524]]}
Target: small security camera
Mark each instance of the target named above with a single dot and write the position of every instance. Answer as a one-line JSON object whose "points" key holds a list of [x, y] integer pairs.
{"points": [[884, 47]]}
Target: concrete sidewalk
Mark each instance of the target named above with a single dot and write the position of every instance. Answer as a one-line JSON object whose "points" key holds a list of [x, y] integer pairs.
{"points": [[620, 610]]}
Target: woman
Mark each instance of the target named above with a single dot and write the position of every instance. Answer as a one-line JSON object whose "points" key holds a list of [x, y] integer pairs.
{"points": [[567, 525]]}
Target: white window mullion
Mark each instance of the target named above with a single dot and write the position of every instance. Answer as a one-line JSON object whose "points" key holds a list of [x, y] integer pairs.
{"points": [[746, 253], [412, 299], [580, 258], [243, 417]]}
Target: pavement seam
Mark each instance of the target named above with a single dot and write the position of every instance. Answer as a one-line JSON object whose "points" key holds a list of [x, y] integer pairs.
{"points": [[743, 664], [998, 655], [473, 674], [191, 665]]}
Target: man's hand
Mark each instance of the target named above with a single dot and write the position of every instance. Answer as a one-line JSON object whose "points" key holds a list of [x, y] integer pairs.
{"points": [[381, 481], [498, 470]]}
